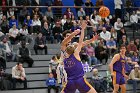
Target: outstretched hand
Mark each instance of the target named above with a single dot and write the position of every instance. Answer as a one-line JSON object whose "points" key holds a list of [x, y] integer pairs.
{"points": [[77, 31], [95, 37]]}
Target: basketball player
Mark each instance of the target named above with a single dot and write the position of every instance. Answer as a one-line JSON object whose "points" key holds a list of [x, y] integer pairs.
{"points": [[117, 68], [74, 69]]}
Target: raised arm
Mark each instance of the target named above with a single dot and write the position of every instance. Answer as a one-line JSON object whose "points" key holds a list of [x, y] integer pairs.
{"points": [[67, 39], [78, 49], [89, 41]]}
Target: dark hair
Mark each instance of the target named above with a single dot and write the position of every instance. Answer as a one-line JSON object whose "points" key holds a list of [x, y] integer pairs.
{"points": [[65, 32], [123, 46], [19, 63]]}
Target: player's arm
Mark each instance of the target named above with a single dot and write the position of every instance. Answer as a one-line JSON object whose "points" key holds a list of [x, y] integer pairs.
{"points": [[89, 41], [115, 58], [78, 49], [67, 39]]}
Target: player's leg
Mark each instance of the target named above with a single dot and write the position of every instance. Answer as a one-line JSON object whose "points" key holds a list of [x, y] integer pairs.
{"points": [[69, 87], [116, 81], [123, 88], [84, 86], [116, 88]]}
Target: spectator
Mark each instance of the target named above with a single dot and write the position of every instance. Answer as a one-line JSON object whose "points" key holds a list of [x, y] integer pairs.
{"points": [[53, 66], [37, 12], [7, 50], [95, 18], [67, 25], [111, 46], [18, 75], [10, 13], [136, 57], [113, 33], [100, 26], [75, 26], [68, 13], [91, 54], [101, 53], [36, 24], [49, 14], [98, 82], [80, 21], [134, 21], [131, 48], [14, 35], [83, 55], [24, 35], [106, 35], [117, 26], [137, 43], [123, 41], [81, 13], [58, 11], [64, 19], [22, 15], [46, 32], [13, 21], [57, 31], [61, 74], [5, 80], [78, 3], [108, 25], [29, 23], [40, 44], [49, 2], [24, 54], [134, 78], [88, 4], [51, 83], [4, 3], [4, 25], [122, 33], [118, 12]]}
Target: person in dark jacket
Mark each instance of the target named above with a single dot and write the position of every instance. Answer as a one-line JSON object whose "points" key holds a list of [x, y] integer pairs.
{"points": [[40, 44], [24, 54], [47, 32]]}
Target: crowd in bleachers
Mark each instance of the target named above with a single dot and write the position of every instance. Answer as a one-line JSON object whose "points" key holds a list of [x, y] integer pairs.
{"points": [[19, 25]]}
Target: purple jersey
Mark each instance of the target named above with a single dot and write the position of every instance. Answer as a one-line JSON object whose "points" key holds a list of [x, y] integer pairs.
{"points": [[73, 67], [119, 65]]}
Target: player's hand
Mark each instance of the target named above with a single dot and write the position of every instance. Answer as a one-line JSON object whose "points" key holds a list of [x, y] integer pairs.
{"points": [[77, 31], [84, 25], [95, 37]]}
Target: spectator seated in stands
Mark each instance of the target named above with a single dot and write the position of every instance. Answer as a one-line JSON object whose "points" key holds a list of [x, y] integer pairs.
{"points": [[68, 13], [113, 33], [91, 54], [134, 78], [40, 44], [14, 35], [106, 35], [51, 83], [53, 65], [68, 25], [7, 51], [24, 35], [136, 57], [4, 24], [111, 46], [101, 53], [5, 80], [18, 75], [81, 13], [46, 32], [24, 54], [98, 82], [13, 21], [134, 21], [29, 23], [57, 31], [36, 24], [123, 41], [137, 43], [131, 48], [49, 14], [83, 55]]}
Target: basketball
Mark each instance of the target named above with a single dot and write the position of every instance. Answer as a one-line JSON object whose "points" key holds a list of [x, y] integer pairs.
{"points": [[104, 12]]}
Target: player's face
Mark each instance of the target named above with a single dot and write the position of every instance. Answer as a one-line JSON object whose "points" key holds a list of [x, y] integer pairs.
{"points": [[123, 49]]}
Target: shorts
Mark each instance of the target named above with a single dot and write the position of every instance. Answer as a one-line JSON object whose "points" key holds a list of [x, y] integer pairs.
{"points": [[81, 84], [118, 78]]}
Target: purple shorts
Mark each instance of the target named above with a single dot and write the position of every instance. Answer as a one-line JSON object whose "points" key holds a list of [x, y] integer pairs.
{"points": [[81, 84], [118, 78]]}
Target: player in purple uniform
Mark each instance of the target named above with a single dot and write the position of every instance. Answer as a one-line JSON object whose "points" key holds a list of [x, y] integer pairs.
{"points": [[74, 69], [117, 68]]}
